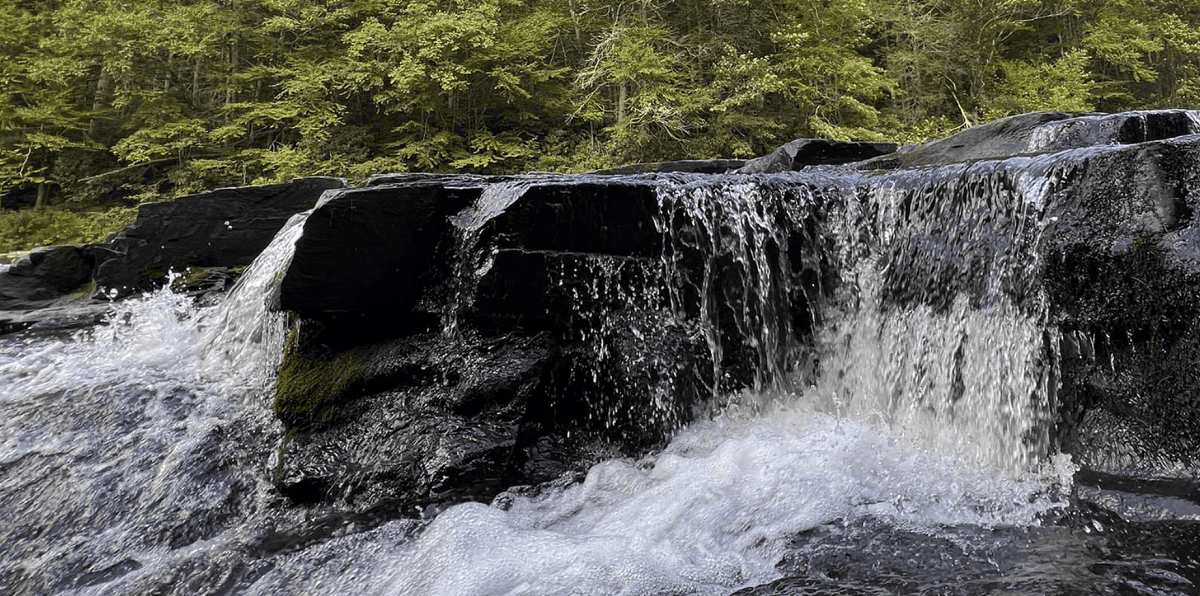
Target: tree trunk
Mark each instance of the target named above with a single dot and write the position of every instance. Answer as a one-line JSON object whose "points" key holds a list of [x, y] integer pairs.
{"points": [[230, 94], [622, 96], [196, 83], [43, 195], [102, 100], [576, 16]]}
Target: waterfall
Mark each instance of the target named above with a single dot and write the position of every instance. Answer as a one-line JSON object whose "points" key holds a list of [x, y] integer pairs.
{"points": [[243, 337], [857, 404], [841, 359], [739, 232], [943, 337], [922, 398], [146, 438], [920, 290]]}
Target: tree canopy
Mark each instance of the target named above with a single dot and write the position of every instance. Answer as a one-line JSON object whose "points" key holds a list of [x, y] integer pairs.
{"points": [[144, 98]]}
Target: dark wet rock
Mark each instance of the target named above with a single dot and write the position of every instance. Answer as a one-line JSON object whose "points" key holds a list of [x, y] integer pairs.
{"points": [[400, 237], [205, 284], [434, 419], [395, 230], [221, 228], [801, 153], [550, 247], [43, 276], [1094, 550], [432, 416], [868, 553], [477, 374], [1132, 498], [1125, 293], [1041, 132], [205, 238], [583, 215], [521, 323]]}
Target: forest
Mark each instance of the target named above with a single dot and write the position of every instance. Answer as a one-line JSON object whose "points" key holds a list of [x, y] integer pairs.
{"points": [[108, 103]]}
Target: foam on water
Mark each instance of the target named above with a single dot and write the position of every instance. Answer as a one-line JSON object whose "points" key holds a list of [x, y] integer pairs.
{"points": [[148, 433], [926, 412], [923, 418], [149, 342], [710, 513]]}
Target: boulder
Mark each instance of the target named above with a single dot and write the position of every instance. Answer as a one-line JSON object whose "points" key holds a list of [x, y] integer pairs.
{"points": [[396, 229], [226, 227], [205, 237], [1041, 132], [43, 276], [64, 315], [514, 329], [434, 419], [1123, 282], [50, 290], [801, 153], [466, 359], [455, 335]]}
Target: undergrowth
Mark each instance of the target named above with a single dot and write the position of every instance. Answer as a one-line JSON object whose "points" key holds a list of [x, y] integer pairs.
{"points": [[23, 229]]}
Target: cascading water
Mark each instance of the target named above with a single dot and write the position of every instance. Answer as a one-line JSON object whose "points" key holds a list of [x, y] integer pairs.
{"points": [[137, 456], [135, 453], [945, 339], [866, 438], [740, 232], [122, 448]]}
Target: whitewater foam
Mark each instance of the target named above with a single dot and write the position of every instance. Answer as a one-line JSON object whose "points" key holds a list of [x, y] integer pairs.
{"points": [[713, 511]]}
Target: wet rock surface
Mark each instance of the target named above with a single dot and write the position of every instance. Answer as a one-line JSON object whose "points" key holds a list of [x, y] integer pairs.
{"points": [[395, 230], [43, 276], [497, 372], [455, 335], [1094, 552], [1041, 132], [1125, 294], [205, 238], [225, 227], [1081, 221], [800, 153]]}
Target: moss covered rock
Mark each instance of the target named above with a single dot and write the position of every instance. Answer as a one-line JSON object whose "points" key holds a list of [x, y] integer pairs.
{"points": [[311, 380]]}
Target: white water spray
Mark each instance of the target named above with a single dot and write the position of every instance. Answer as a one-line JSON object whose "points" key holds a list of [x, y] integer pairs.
{"points": [[924, 419]]}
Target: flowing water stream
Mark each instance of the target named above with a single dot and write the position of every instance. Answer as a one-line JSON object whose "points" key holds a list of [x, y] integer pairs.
{"points": [[903, 450]]}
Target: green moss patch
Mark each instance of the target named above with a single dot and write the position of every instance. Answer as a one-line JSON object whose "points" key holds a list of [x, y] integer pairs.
{"points": [[308, 384]]}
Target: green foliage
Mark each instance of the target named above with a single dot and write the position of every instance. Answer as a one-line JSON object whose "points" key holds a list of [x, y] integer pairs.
{"points": [[1062, 85], [215, 93], [26, 229]]}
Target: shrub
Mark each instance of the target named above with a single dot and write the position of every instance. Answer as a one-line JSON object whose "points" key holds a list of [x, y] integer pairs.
{"points": [[24, 229]]}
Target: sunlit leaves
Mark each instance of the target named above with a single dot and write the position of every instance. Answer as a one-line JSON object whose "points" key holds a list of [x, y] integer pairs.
{"points": [[237, 91], [173, 138], [1061, 85]]}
